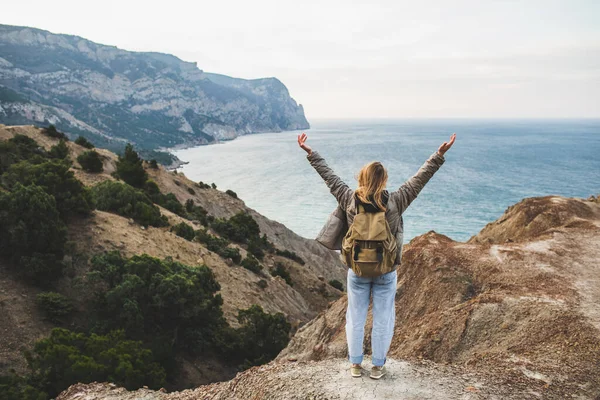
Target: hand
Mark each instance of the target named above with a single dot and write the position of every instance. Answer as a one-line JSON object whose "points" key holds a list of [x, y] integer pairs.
{"points": [[302, 143], [446, 145]]}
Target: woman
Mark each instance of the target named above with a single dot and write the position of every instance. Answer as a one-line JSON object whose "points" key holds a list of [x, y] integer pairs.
{"points": [[373, 196]]}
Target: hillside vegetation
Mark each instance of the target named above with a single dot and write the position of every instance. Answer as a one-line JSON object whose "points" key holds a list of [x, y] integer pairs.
{"points": [[127, 255]]}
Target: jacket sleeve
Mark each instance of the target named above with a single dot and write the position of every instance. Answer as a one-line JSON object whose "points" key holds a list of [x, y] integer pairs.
{"points": [[411, 188], [336, 186]]}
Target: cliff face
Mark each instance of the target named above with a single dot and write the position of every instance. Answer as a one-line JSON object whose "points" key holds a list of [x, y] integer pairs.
{"points": [[510, 314], [150, 99]]}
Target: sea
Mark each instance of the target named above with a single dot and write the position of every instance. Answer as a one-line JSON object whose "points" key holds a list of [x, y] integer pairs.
{"points": [[492, 165]]}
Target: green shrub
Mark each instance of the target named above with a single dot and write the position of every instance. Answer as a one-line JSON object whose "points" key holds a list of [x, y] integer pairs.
{"points": [[162, 301], [20, 148], [213, 185], [238, 228], [191, 191], [231, 252], [32, 233], [83, 142], [252, 264], [218, 245], [261, 336], [130, 168], [153, 164], [54, 176], [262, 284], [128, 202], [66, 358], [255, 247], [231, 193], [337, 284], [90, 161], [184, 230], [203, 185], [15, 387], [291, 255], [59, 151], [55, 305], [281, 270], [54, 133]]}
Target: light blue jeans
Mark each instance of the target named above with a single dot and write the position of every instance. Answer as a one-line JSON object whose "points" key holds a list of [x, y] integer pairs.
{"points": [[383, 289]]}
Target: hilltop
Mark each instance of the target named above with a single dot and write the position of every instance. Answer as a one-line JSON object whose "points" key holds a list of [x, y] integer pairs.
{"points": [[510, 314]]}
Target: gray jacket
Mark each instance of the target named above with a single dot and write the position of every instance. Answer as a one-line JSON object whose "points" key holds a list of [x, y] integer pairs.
{"points": [[342, 217]]}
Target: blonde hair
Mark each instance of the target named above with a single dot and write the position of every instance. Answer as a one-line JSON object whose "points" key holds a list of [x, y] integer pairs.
{"points": [[372, 180]]}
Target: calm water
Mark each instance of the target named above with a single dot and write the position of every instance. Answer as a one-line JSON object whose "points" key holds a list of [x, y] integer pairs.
{"points": [[492, 165]]}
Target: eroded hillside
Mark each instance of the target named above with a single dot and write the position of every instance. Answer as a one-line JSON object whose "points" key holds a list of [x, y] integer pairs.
{"points": [[22, 322]]}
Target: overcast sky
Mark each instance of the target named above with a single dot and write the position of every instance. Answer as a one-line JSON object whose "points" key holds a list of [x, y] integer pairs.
{"points": [[378, 58]]}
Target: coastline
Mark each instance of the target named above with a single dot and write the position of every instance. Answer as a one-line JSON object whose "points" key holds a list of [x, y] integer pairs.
{"points": [[188, 145]]}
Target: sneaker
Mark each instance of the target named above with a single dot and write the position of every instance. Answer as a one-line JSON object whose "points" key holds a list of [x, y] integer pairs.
{"points": [[377, 372], [356, 370]]}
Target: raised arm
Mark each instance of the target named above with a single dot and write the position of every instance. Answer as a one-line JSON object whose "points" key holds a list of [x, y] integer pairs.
{"points": [[413, 186], [337, 187]]}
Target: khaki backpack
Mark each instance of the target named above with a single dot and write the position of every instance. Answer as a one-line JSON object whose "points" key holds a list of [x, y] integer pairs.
{"points": [[369, 247]]}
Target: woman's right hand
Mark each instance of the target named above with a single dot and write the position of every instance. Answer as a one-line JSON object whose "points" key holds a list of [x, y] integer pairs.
{"points": [[302, 143]]}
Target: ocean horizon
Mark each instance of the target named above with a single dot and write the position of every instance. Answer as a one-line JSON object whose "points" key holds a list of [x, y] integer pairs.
{"points": [[494, 163]]}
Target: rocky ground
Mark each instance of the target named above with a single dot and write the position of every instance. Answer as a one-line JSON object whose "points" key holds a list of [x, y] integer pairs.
{"points": [[326, 380]]}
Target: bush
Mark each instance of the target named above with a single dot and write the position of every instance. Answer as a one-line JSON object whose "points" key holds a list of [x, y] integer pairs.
{"points": [[15, 387], [153, 164], [161, 301], [128, 202], [262, 336], [281, 271], [66, 358], [238, 228], [231, 193], [255, 247], [191, 191], [32, 233], [291, 255], [55, 305], [90, 161], [203, 185], [83, 142], [59, 151], [337, 284], [262, 284], [184, 230], [130, 168], [20, 148], [213, 185], [54, 133], [252, 264], [54, 176], [218, 245]]}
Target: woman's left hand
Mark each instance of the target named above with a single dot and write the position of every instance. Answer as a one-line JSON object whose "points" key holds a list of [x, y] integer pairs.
{"points": [[446, 145]]}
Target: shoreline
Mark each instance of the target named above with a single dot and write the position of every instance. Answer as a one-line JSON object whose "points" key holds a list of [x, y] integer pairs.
{"points": [[189, 145]]}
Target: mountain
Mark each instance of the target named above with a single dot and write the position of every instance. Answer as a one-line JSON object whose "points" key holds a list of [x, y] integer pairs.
{"points": [[113, 96], [510, 314]]}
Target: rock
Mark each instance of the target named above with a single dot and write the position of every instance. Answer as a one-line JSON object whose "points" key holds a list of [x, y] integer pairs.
{"points": [[110, 84]]}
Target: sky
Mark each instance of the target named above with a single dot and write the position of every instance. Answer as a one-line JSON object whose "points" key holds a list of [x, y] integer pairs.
{"points": [[366, 59]]}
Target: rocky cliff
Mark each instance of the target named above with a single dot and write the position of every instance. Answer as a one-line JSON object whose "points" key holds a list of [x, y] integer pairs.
{"points": [[510, 314], [112, 95]]}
